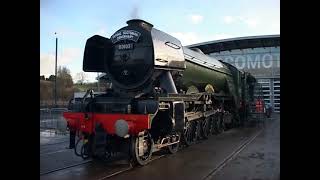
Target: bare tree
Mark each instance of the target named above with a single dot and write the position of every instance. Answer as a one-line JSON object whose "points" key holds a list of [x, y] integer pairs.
{"points": [[64, 83], [81, 77]]}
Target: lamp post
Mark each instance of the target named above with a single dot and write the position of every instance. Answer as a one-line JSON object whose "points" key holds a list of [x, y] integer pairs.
{"points": [[98, 82], [55, 75]]}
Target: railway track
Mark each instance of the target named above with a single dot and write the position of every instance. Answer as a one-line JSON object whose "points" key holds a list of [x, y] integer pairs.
{"points": [[127, 169], [54, 152], [44, 149], [130, 167], [213, 172], [216, 169], [66, 167], [90, 161], [232, 156], [54, 143]]}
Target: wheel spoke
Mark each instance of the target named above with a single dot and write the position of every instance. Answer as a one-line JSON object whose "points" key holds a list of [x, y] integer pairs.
{"points": [[174, 147], [189, 133], [147, 150], [206, 128]]}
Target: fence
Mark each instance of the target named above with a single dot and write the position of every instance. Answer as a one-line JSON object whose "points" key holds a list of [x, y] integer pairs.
{"points": [[50, 104], [52, 119]]}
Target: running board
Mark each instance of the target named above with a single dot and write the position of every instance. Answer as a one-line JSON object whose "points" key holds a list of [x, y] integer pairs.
{"points": [[196, 115]]}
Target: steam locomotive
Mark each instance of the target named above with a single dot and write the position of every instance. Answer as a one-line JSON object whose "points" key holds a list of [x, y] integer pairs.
{"points": [[161, 95]]}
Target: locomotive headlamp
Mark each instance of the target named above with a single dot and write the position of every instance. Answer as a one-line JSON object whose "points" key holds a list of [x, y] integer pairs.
{"points": [[121, 127], [129, 109]]}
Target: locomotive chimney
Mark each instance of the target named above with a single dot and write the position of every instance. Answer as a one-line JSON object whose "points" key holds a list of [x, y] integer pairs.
{"points": [[139, 22]]}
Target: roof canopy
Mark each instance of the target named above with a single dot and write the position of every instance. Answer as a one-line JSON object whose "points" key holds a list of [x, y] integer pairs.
{"points": [[238, 43]]}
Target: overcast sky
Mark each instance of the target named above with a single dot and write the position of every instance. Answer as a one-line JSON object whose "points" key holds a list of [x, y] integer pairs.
{"points": [[190, 21]]}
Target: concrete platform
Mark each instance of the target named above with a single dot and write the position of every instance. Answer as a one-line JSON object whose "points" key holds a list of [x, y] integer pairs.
{"points": [[260, 160]]}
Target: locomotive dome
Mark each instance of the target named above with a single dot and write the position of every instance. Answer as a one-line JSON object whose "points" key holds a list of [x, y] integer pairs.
{"points": [[258, 55]]}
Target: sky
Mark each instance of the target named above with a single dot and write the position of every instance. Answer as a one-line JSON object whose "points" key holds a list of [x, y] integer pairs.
{"points": [[191, 22]]}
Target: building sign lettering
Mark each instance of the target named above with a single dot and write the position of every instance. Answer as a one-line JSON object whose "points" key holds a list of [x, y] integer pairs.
{"points": [[257, 61]]}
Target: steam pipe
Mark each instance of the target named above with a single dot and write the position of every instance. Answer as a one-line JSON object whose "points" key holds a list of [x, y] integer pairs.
{"points": [[167, 83]]}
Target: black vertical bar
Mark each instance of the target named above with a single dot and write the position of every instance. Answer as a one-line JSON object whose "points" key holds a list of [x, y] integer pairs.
{"points": [[55, 79], [98, 83]]}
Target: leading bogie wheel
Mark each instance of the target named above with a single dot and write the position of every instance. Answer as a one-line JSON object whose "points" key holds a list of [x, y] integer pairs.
{"points": [[141, 148], [172, 149]]}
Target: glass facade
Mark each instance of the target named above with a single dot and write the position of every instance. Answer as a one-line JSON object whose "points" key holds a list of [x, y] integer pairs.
{"points": [[261, 62]]}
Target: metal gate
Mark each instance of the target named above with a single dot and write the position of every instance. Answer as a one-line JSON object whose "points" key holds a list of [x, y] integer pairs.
{"points": [[52, 119]]}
